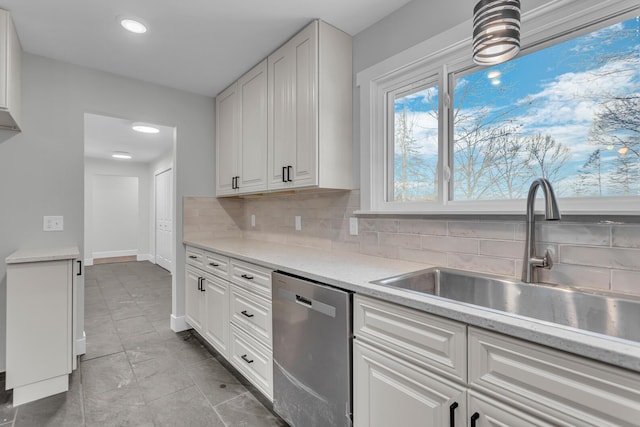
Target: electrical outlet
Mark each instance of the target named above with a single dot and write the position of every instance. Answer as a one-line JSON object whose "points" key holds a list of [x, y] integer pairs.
{"points": [[353, 226], [298, 223], [253, 220], [53, 223]]}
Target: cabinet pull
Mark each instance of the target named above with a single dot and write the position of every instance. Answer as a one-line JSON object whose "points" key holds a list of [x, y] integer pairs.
{"points": [[79, 268], [199, 283], [452, 414], [202, 288], [284, 179], [193, 257], [244, 312], [244, 357], [246, 276], [213, 264], [289, 173], [237, 180], [474, 418]]}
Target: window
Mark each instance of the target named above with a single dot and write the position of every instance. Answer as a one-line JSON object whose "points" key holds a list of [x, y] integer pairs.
{"points": [[445, 135]]}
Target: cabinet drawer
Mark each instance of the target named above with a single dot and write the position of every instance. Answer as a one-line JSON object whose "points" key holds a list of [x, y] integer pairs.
{"points": [[195, 257], [253, 360], [575, 390], [430, 341], [493, 413], [216, 264], [253, 277], [251, 313]]}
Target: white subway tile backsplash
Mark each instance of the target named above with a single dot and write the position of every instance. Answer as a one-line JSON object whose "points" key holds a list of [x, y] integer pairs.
{"points": [[625, 281], [625, 236], [587, 254], [450, 244], [601, 257], [482, 230], [480, 263]]}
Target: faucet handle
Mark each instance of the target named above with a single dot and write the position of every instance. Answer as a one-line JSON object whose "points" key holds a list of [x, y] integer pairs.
{"points": [[547, 261]]}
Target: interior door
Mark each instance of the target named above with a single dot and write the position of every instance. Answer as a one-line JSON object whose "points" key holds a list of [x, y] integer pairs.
{"points": [[164, 219]]}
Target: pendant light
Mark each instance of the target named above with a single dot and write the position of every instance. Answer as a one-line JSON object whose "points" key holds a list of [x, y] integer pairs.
{"points": [[496, 31]]}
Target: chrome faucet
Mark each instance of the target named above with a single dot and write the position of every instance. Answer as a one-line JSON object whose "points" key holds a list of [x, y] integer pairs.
{"points": [[551, 212]]}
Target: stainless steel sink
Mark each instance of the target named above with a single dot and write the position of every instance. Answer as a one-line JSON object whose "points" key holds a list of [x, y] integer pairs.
{"points": [[609, 314]]}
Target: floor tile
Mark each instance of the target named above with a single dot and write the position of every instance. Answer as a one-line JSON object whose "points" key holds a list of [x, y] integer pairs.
{"points": [[185, 408], [143, 347], [123, 407], [99, 324], [106, 373], [216, 383], [99, 345], [246, 411], [133, 326], [161, 376]]}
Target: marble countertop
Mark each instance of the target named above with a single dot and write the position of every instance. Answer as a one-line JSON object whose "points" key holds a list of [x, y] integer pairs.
{"points": [[43, 254], [354, 272]]}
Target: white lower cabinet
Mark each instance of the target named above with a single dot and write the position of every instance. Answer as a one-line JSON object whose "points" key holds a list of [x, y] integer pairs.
{"points": [[399, 379], [228, 303], [389, 391]]}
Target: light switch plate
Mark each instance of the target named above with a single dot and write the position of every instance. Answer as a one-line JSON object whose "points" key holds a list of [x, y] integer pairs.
{"points": [[298, 223], [353, 226], [53, 223]]}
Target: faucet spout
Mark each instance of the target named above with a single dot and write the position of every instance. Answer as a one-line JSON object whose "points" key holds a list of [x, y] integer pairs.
{"points": [[551, 212]]}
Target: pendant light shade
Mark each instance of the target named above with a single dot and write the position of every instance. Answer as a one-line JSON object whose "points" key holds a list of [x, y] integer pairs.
{"points": [[496, 31]]}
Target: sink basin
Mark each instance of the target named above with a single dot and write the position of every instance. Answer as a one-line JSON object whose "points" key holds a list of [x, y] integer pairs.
{"points": [[608, 314]]}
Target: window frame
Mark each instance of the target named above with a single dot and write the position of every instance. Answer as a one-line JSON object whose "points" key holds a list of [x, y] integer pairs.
{"points": [[450, 52]]}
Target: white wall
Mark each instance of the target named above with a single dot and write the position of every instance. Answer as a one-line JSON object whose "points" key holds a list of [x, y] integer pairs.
{"points": [[96, 236], [42, 168]]}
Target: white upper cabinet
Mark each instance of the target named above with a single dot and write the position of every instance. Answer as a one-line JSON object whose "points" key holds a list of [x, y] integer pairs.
{"points": [[227, 141], [241, 135], [310, 110], [286, 124], [10, 69]]}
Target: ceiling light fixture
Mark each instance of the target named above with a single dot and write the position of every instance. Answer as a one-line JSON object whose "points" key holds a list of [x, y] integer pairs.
{"points": [[493, 74], [133, 25], [121, 155], [144, 128], [496, 31]]}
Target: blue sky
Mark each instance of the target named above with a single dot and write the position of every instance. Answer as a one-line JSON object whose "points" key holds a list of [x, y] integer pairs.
{"points": [[556, 90]]}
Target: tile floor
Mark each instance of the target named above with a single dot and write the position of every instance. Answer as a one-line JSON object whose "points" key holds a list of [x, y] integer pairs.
{"points": [[137, 372]]}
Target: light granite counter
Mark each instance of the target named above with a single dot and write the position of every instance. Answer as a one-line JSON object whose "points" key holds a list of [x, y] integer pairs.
{"points": [[42, 254], [354, 272]]}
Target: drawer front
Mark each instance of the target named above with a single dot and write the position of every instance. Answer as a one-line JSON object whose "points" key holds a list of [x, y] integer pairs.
{"points": [[216, 264], [253, 360], [253, 277], [195, 257], [553, 382], [251, 313], [492, 413], [432, 342]]}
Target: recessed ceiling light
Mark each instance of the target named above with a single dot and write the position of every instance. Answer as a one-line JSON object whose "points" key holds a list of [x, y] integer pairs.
{"points": [[121, 155], [144, 128], [494, 74], [495, 82], [133, 25]]}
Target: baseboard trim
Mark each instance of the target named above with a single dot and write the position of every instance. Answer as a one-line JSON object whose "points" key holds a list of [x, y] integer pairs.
{"points": [[146, 257], [179, 324], [115, 254]]}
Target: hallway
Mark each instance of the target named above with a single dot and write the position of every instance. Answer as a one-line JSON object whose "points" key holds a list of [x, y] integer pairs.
{"points": [[137, 372]]}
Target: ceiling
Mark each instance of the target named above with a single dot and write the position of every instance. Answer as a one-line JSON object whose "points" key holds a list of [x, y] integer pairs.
{"points": [[199, 46], [105, 135]]}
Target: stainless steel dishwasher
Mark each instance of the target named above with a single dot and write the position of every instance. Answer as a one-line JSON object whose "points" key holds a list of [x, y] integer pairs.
{"points": [[312, 339]]}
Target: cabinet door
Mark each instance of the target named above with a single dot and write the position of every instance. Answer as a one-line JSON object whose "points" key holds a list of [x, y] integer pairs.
{"points": [[281, 122], [305, 49], [487, 412], [252, 153], [390, 392], [216, 299], [227, 140], [193, 298]]}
